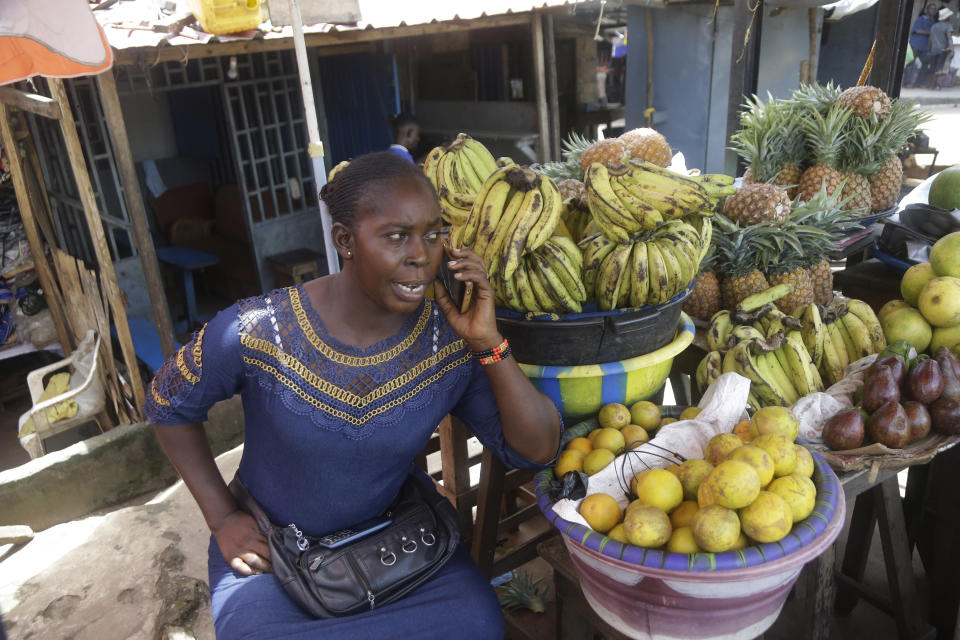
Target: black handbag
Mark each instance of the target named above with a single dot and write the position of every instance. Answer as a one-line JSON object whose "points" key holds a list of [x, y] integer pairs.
{"points": [[372, 571]]}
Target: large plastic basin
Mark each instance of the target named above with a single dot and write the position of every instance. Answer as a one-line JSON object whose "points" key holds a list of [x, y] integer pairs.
{"points": [[579, 391], [657, 595]]}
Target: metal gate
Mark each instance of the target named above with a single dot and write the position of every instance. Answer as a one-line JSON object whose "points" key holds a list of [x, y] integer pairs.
{"points": [[269, 138]]}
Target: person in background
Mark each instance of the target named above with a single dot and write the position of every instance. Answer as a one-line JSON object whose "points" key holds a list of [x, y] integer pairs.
{"points": [[941, 46], [920, 40], [406, 135]]}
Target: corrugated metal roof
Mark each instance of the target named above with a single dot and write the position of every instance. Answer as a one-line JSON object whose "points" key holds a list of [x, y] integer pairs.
{"points": [[134, 24]]}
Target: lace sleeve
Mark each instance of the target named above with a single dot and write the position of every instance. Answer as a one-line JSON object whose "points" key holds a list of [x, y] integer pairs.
{"points": [[201, 373]]}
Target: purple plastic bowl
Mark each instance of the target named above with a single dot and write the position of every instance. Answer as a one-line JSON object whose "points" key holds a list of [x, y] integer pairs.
{"points": [[647, 593]]}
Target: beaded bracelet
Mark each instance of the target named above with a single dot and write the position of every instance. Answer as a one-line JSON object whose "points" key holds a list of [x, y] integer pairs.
{"points": [[491, 356]]}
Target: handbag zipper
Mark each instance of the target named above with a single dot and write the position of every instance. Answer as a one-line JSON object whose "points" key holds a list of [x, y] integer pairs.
{"points": [[363, 581]]}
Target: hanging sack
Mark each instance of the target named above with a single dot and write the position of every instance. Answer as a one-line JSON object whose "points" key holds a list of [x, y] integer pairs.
{"points": [[330, 581]]}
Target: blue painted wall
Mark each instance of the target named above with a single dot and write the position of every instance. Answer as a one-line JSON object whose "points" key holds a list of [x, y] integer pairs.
{"points": [[692, 73]]}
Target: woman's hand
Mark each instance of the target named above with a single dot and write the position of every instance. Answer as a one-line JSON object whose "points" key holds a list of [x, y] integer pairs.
{"points": [[478, 325], [241, 543]]}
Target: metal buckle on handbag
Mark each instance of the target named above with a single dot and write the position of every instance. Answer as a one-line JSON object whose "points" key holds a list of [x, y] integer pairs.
{"points": [[302, 543]]}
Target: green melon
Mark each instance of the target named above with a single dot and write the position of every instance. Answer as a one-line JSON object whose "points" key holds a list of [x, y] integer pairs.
{"points": [[945, 189]]}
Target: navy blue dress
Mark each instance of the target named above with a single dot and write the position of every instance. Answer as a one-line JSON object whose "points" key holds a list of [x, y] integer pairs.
{"points": [[330, 434]]}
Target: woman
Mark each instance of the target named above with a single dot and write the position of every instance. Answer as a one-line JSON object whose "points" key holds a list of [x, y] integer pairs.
{"points": [[406, 135], [343, 380]]}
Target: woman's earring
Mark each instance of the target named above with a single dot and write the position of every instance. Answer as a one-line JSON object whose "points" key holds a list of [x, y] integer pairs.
{"points": [[349, 254]]}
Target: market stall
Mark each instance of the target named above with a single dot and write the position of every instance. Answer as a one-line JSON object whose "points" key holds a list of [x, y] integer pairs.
{"points": [[614, 270]]}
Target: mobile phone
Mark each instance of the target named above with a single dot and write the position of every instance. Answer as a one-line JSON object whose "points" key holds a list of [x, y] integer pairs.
{"points": [[348, 535], [460, 292]]}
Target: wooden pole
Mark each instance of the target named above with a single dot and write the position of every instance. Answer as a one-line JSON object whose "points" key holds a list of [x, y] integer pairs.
{"points": [[99, 240], [744, 64], [315, 148], [44, 273], [815, 16], [892, 29], [543, 112], [138, 213], [552, 89]]}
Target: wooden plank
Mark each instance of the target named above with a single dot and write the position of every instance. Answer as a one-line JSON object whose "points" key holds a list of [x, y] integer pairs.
{"points": [[138, 214], [815, 30], [892, 29], [897, 553], [744, 62], [109, 277], [154, 55], [492, 473], [91, 291], [539, 70], [454, 467], [40, 105], [25, 204], [817, 588], [552, 89], [857, 551]]}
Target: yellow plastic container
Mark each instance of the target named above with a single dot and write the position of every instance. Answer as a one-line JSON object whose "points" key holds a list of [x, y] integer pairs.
{"points": [[226, 16]]}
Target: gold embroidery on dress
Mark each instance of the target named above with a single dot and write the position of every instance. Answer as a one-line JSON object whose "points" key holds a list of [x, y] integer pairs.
{"points": [[197, 351], [293, 386], [350, 361], [156, 396], [182, 366], [338, 393]]}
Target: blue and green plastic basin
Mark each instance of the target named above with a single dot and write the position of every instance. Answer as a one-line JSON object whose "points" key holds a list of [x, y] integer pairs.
{"points": [[579, 391]]}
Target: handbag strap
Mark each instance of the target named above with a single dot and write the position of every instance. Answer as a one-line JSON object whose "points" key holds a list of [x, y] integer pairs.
{"points": [[247, 502]]}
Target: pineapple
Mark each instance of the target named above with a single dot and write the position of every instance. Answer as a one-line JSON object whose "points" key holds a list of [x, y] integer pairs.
{"points": [[735, 256], [814, 97], [704, 301], [818, 225], [881, 155], [885, 185], [758, 202], [825, 135], [865, 101], [821, 274], [572, 188], [523, 591], [770, 142], [802, 293], [647, 144], [609, 152], [573, 148]]}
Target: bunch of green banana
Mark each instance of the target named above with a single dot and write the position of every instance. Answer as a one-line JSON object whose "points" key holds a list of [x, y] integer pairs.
{"points": [[639, 196], [547, 280], [847, 330], [651, 269], [764, 345], [515, 212], [457, 172]]}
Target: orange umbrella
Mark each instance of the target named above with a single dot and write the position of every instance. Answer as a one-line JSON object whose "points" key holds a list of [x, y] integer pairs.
{"points": [[55, 38]]}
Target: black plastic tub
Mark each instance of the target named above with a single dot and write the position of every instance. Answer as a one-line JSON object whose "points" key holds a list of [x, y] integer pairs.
{"points": [[591, 337]]}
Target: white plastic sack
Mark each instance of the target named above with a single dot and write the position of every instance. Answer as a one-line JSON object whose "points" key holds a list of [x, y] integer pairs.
{"points": [[722, 407]]}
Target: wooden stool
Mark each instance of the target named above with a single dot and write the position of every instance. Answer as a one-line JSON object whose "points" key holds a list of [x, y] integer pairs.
{"points": [[497, 496], [293, 267]]}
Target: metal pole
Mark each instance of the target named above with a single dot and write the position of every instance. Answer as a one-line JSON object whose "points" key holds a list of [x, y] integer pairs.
{"points": [[315, 149]]}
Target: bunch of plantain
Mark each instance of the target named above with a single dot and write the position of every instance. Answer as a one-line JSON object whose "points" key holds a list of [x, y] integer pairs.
{"points": [[515, 212], [840, 333], [638, 196], [761, 343], [547, 280], [458, 172], [649, 269]]}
